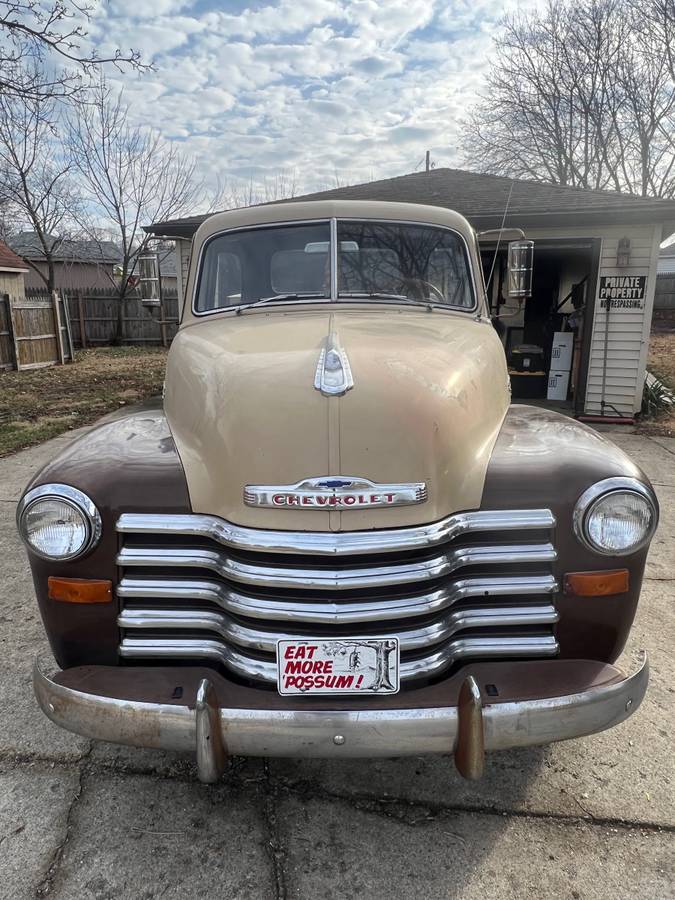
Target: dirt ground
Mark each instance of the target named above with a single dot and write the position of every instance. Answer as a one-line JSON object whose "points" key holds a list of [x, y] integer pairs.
{"points": [[41, 403]]}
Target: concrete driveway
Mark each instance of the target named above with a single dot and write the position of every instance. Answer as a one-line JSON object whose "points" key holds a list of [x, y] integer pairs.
{"points": [[592, 818]]}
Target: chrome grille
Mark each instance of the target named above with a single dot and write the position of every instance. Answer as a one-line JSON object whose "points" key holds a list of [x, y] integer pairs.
{"points": [[477, 585]]}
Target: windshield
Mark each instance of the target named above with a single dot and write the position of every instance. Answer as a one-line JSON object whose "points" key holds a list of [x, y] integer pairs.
{"points": [[244, 266], [419, 262], [377, 261]]}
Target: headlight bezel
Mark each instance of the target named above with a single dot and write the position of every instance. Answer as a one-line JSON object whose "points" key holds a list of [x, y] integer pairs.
{"points": [[600, 491], [77, 500]]}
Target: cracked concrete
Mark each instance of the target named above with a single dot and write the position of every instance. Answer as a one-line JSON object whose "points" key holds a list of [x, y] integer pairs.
{"points": [[585, 819], [467, 855]]}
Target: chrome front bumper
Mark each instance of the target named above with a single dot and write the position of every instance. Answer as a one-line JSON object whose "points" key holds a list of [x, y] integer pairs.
{"points": [[468, 729]]}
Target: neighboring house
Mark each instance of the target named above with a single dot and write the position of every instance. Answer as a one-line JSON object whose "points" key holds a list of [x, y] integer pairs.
{"points": [[79, 264], [595, 270], [13, 271]]}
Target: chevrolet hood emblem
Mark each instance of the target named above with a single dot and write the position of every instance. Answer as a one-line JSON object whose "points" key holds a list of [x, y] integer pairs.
{"points": [[334, 493]]}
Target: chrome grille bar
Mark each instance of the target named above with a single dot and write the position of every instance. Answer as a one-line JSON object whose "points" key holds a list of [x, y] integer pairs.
{"points": [[335, 579], [266, 640], [340, 544], [265, 671], [333, 612], [236, 611]]}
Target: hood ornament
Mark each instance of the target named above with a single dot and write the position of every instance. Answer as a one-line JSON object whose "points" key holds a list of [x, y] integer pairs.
{"points": [[333, 373], [334, 492]]}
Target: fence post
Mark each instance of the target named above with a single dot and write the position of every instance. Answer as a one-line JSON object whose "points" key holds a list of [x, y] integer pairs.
{"points": [[80, 315], [57, 327], [12, 330]]}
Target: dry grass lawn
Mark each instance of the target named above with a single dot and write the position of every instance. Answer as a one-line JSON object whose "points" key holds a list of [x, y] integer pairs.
{"points": [[661, 362], [662, 356], [40, 403]]}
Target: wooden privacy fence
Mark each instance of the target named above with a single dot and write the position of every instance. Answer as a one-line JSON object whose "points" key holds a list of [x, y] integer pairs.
{"points": [[94, 318], [664, 298], [34, 332], [43, 329]]}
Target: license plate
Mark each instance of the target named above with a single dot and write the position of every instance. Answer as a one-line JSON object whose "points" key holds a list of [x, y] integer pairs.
{"points": [[338, 666]]}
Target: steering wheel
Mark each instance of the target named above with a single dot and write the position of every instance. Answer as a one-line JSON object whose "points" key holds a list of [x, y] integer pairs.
{"points": [[440, 296]]}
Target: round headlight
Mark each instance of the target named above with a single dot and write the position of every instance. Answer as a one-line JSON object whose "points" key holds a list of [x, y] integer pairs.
{"points": [[58, 522], [616, 516]]}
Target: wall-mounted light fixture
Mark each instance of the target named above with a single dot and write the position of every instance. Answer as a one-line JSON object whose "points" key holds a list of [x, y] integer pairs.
{"points": [[623, 252]]}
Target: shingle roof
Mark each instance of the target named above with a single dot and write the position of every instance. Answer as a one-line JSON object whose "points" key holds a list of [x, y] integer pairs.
{"points": [[482, 199], [667, 252], [28, 245], [9, 259]]}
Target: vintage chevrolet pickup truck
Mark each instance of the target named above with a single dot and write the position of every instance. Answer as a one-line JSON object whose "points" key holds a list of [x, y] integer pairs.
{"points": [[336, 536]]}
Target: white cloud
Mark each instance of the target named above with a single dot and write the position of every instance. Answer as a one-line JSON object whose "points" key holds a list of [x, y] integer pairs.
{"points": [[136, 9], [287, 17], [360, 88]]}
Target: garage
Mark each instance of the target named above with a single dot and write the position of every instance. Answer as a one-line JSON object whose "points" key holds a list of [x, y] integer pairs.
{"points": [[579, 343]]}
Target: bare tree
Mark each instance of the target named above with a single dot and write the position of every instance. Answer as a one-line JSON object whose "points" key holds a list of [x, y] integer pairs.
{"points": [[659, 20], [581, 94], [42, 49], [235, 193], [130, 175], [5, 205], [36, 185], [382, 649]]}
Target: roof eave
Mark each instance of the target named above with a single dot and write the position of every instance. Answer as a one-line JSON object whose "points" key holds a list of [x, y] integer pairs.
{"points": [[176, 230], [185, 230]]}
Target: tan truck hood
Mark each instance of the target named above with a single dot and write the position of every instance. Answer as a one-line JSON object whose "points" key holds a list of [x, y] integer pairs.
{"points": [[430, 394]]}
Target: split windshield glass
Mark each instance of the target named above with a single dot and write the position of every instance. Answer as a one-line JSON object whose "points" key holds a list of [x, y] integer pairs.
{"points": [[377, 262], [416, 262]]}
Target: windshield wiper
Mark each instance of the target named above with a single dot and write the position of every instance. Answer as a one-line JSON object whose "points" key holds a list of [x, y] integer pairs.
{"points": [[382, 295], [279, 298]]}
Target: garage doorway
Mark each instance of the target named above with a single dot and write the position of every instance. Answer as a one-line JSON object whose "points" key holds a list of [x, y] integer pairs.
{"points": [[547, 339]]}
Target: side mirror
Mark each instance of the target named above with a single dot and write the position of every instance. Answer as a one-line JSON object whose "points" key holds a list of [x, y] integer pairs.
{"points": [[521, 256]]}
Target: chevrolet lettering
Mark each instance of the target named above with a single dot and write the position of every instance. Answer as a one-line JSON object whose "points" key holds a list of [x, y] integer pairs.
{"points": [[335, 535], [342, 493]]}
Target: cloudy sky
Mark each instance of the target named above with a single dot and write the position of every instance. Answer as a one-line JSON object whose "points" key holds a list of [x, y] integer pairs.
{"points": [[323, 89]]}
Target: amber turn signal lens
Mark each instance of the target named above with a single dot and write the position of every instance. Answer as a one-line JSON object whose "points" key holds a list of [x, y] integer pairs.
{"points": [[79, 590], [597, 584]]}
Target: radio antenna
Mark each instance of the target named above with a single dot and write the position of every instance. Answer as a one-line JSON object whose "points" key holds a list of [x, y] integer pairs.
{"points": [[494, 258]]}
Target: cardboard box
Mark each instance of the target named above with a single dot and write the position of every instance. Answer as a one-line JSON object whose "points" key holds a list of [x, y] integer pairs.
{"points": [[558, 385], [561, 351]]}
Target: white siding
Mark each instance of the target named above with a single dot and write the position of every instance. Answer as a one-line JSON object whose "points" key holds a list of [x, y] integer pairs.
{"points": [[628, 334], [622, 334], [179, 273], [185, 253], [183, 250]]}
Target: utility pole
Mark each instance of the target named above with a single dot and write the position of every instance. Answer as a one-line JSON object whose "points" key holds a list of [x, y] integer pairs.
{"points": [[428, 160]]}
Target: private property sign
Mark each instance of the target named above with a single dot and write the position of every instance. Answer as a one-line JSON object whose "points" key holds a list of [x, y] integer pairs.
{"points": [[622, 291]]}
